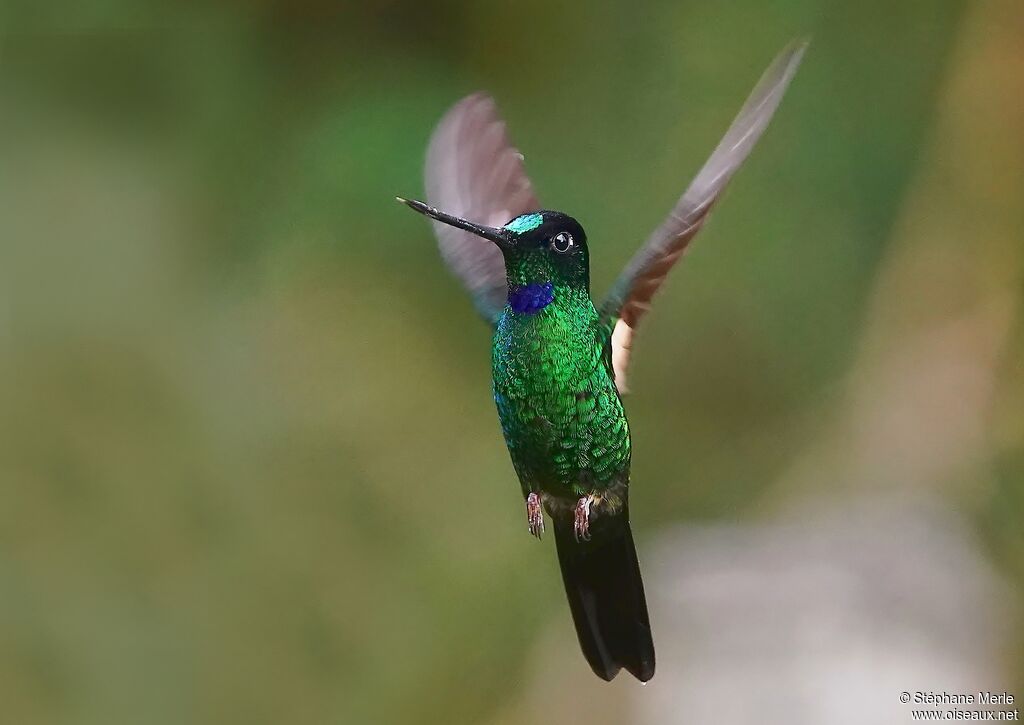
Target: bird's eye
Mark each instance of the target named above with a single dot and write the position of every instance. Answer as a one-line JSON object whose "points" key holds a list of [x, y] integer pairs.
{"points": [[562, 242]]}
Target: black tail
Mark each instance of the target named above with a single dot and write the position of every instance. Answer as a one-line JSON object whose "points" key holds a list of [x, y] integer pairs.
{"points": [[606, 596]]}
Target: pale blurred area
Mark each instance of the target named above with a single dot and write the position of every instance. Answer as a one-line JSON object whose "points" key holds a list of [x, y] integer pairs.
{"points": [[249, 466]]}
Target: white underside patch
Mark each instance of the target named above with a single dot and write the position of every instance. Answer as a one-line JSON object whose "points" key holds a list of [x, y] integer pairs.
{"points": [[622, 347]]}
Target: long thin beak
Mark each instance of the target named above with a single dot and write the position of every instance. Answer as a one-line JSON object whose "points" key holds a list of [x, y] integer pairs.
{"points": [[498, 236]]}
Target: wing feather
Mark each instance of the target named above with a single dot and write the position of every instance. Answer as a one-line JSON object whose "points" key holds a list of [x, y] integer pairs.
{"points": [[473, 172], [630, 296]]}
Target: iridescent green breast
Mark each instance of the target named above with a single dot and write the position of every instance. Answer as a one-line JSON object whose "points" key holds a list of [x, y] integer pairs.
{"points": [[560, 412]]}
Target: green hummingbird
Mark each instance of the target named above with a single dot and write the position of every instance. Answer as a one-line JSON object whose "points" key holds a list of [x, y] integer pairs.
{"points": [[559, 362]]}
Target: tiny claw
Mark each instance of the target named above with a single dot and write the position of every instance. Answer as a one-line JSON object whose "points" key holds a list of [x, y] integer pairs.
{"points": [[534, 515], [581, 527]]}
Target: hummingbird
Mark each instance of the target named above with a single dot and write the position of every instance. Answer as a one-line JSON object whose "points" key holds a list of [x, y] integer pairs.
{"points": [[560, 362]]}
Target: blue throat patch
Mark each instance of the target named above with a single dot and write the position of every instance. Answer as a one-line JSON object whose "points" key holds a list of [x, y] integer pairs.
{"points": [[532, 298], [525, 223]]}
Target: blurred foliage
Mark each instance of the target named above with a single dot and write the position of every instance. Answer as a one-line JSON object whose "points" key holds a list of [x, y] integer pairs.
{"points": [[250, 467]]}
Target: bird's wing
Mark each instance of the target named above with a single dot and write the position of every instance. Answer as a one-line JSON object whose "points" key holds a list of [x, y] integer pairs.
{"points": [[630, 296], [473, 172]]}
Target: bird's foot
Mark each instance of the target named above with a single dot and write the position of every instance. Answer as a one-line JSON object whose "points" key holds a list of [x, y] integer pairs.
{"points": [[534, 515], [581, 527]]}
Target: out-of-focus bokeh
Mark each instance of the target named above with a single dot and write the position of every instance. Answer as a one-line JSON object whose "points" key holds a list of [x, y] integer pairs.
{"points": [[250, 470]]}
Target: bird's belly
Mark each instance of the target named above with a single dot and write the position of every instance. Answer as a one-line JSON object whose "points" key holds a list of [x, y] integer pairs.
{"points": [[562, 418]]}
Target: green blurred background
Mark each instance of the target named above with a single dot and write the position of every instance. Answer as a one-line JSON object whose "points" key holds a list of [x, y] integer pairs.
{"points": [[249, 464]]}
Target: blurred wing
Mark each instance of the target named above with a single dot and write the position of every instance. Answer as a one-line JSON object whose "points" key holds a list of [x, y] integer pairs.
{"points": [[631, 294], [474, 173]]}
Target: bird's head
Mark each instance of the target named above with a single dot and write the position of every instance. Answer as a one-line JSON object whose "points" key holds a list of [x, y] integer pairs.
{"points": [[542, 249]]}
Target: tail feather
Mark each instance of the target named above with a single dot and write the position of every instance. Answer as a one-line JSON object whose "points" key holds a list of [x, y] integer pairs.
{"points": [[606, 596]]}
